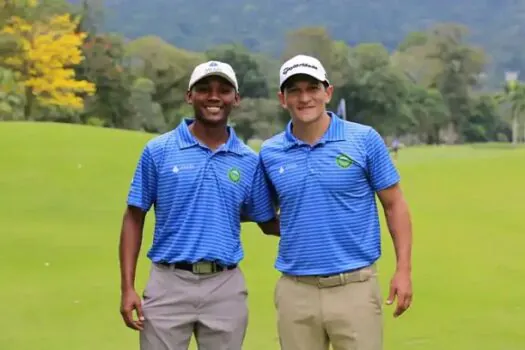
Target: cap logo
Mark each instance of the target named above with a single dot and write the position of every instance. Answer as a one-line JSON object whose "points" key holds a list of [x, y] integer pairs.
{"points": [[213, 67], [287, 69]]}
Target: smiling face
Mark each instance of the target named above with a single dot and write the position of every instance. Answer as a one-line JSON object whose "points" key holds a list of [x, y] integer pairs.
{"points": [[213, 99], [305, 98]]}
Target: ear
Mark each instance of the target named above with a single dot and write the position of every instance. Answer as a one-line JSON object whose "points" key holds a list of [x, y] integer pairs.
{"points": [[282, 99], [329, 93], [237, 100], [188, 97]]}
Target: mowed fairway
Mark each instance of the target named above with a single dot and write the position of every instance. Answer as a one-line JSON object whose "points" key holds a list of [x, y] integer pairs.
{"points": [[63, 191]]}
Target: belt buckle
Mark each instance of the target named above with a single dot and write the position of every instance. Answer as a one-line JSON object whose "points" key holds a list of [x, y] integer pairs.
{"points": [[331, 281], [203, 267]]}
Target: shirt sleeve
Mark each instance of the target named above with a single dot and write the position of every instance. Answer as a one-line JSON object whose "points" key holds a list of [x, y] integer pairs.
{"points": [[381, 169], [143, 189], [259, 206]]}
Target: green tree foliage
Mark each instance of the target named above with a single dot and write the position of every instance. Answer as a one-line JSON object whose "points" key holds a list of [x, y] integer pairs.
{"points": [[257, 118], [252, 84], [11, 96], [168, 67], [147, 113], [423, 84], [376, 92], [427, 114], [513, 98], [261, 26], [105, 65]]}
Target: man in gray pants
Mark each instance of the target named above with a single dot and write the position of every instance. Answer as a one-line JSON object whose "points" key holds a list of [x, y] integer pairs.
{"points": [[201, 179]]}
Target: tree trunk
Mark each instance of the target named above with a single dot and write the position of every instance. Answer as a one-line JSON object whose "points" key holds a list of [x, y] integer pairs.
{"points": [[514, 128], [28, 108], [523, 139]]}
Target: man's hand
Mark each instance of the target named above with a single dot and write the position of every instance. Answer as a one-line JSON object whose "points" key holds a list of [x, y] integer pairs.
{"points": [[129, 247], [400, 288], [272, 227], [400, 227], [131, 302]]}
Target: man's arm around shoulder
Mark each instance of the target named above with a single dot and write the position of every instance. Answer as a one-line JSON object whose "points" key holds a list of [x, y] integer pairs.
{"points": [[129, 248], [261, 206]]}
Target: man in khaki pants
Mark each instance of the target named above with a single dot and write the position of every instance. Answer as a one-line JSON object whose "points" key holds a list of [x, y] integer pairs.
{"points": [[325, 173]]}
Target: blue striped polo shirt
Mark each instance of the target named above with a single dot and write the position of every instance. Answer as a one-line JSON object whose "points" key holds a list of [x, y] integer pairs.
{"points": [[199, 195], [326, 193]]}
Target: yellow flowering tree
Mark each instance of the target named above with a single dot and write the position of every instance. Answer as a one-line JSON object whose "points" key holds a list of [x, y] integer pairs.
{"points": [[49, 49]]}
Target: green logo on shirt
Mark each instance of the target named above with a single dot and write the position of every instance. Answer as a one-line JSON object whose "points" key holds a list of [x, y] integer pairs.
{"points": [[234, 175], [343, 161]]}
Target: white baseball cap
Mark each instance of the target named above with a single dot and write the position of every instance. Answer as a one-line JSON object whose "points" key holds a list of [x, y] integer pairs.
{"points": [[302, 64], [215, 68]]}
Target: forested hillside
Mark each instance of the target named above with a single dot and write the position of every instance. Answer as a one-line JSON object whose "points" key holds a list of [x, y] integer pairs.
{"points": [[497, 25], [429, 72]]}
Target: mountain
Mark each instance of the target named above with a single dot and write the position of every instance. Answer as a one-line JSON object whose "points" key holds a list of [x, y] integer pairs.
{"points": [[497, 25]]}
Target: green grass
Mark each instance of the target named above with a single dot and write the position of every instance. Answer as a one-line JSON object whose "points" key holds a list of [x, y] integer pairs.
{"points": [[62, 194]]}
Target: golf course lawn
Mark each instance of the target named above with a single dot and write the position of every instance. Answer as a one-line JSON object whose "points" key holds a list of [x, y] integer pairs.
{"points": [[62, 194]]}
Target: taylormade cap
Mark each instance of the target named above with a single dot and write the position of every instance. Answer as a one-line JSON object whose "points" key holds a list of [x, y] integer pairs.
{"points": [[213, 68], [302, 64]]}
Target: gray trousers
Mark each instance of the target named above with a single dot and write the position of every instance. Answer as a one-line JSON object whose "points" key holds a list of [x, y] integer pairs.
{"points": [[178, 303]]}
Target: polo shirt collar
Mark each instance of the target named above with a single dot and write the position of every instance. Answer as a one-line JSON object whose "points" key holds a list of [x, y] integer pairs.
{"points": [[186, 139], [335, 132]]}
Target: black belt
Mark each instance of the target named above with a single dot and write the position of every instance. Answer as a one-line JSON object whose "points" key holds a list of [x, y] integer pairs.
{"points": [[201, 267]]}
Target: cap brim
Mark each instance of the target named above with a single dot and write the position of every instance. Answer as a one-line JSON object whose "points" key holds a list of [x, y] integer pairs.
{"points": [[318, 77], [215, 74]]}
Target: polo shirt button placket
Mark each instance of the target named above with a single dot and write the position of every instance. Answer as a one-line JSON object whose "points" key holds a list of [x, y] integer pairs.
{"points": [[208, 167], [311, 170]]}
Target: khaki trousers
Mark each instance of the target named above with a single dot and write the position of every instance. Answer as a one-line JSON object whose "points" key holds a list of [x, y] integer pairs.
{"points": [[344, 311]]}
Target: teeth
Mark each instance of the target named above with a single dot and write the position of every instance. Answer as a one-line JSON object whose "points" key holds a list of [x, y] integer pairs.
{"points": [[213, 109]]}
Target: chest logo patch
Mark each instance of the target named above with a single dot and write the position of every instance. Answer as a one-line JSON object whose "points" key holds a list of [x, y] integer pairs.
{"points": [[234, 175], [343, 160]]}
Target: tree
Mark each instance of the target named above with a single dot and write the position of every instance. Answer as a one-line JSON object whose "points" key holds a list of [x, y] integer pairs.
{"points": [[49, 48], [428, 113], [441, 59], [484, 123], [11, 96], [460, 67], [316, 42], [375, 91], [148, 114], [413, 39], [168, 67], [90, 16], [257, 117], [104, 65], [252, 84], [514, 97]]}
